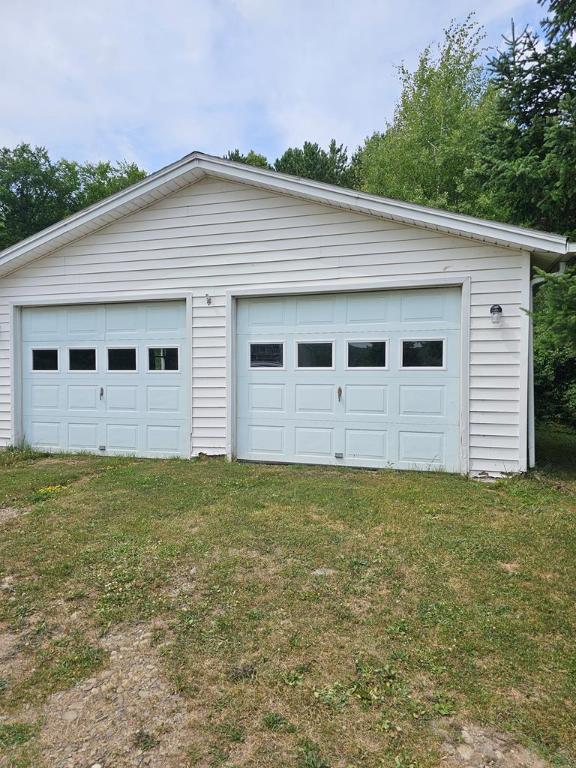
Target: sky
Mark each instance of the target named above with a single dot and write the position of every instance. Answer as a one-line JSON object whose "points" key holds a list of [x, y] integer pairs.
{"points": [[152, 80]]}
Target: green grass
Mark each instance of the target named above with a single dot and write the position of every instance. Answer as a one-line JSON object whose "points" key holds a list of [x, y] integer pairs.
{"points": [[444, 598]]}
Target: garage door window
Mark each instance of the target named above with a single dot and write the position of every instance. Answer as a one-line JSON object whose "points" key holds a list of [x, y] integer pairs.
{"points": [[163, 359], [267, 355], [44, 359], [423, 353], [122, 359], [82, 359], [314, 354], [366, 354]]}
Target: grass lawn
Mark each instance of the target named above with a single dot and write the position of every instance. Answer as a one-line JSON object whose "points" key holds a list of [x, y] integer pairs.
{"points": [[254, 615]]}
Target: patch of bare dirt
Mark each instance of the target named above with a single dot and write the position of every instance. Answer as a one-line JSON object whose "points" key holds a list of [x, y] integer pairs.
{"points": [[8, 513], [126, 716], [9, 651], [510, 567], [470, 746]]}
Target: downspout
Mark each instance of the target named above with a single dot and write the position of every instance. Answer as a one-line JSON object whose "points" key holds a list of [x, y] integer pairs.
{"points": [[531, 418]]}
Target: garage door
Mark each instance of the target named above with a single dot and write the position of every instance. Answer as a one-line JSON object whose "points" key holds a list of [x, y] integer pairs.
{"points": [[365, 379], [106, 378]]}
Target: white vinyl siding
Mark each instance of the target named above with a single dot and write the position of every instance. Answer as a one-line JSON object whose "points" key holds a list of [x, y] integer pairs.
{"points": [[217, 235]]}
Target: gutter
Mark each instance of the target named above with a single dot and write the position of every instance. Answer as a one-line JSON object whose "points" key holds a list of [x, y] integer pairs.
{"points": [[570, 249]]}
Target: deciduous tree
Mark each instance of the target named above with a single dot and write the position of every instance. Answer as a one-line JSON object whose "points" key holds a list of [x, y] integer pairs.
{"points": [[36, 191]]}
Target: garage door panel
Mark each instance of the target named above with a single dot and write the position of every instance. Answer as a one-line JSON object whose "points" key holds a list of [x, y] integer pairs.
{"points": [[162, 320], [265, 313], [314, 398], [266, 397], [45, 396], [163, 399], [39, 323], [43, 434], [124, 320], [361, 399], [121, 397], [371, 444], [422, 306], [315, 310], [314, 441], [421, 447], [367, 410], [369, 308], [84, 322], [266, 439], [122, 437], [141, 412], [422, 400], [163, 438], [82, 436], [82, 397]]}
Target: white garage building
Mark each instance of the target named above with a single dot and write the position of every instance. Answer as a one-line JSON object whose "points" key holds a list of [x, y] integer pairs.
{"points": [[220, 308]]}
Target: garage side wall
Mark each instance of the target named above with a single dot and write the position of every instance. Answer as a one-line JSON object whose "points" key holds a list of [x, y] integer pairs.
{"points": [[216, 235]]}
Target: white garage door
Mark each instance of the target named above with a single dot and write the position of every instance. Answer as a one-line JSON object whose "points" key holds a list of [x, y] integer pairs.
{"points": [[106, 378], [365, 379]]}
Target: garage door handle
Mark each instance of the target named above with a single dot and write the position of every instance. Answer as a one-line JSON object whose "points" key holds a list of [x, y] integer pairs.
{"points": [[101, 392], [339, 394]]}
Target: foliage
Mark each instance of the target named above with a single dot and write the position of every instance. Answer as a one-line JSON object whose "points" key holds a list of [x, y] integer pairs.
{"points": [[15, 733], [555, 347], [252, 158], [527, 168], [36, 191], [424, 154], [311, 161], [528, 157]]}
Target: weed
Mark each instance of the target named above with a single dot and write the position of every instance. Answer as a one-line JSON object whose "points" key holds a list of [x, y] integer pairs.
{"points": [[335, 696], [294, 677], [242, 672], [444, 706], [14, 734], [144, 741], [276, 722], [45, 493], [309, 756], [233, 732]]}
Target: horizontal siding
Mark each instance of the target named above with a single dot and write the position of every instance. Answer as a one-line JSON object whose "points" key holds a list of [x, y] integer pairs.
{"points": [[216, 235]]}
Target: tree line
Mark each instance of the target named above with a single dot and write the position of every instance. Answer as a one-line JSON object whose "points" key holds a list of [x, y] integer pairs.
{"points": [[489, 135]]}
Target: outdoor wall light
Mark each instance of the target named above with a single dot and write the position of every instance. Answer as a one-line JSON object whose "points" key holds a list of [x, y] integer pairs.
{"points": [[496, 313]]}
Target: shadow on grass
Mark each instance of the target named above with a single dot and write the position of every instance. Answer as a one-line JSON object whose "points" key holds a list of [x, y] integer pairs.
{"points": [[556, 450]]}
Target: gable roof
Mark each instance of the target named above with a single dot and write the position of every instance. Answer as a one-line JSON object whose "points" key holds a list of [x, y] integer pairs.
{"points": [[549, 248]]}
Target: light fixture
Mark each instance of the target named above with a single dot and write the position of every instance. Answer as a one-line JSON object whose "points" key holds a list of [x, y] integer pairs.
{"points": [[496, 313]]}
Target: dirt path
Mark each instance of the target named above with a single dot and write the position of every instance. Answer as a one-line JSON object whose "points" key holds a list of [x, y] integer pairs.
{"points": [[127, 716]]}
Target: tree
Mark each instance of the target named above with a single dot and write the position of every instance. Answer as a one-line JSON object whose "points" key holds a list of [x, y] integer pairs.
{"points": [[252, 158], [36, 192], [311, 161], [555, 346], [528, 167], [424, 154], [528, 159], [98, 180]]}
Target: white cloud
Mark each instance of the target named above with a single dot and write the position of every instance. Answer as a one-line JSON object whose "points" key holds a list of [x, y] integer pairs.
{"points": [[151, 81]]}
